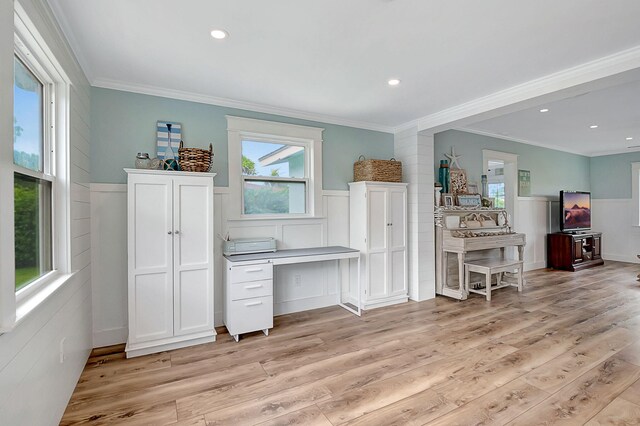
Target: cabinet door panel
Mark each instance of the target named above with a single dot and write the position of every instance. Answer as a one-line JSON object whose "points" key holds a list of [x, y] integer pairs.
{"points": [[193, 254], [193, 221], [377, 275], [151, 300], [577, 251], [398, 219], [194, 302], [596, 247], [152, 246], [377, 219], [398, 272]]}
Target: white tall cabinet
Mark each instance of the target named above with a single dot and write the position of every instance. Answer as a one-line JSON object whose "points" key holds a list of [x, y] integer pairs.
{"points": [[378, 228], [170, 255]]}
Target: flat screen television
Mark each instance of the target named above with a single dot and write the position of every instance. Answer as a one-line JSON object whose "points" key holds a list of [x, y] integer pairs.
{"points": [[575, 211]]}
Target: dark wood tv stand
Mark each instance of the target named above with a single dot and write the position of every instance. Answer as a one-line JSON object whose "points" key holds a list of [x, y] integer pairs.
{"points": [[573, 252]]}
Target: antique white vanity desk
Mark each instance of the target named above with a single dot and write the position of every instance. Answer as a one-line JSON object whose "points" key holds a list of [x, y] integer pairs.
{"points": [[470, 233]]}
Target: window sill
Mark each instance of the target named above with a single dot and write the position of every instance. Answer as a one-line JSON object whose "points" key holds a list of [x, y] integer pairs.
{"points": [[30, 302]]}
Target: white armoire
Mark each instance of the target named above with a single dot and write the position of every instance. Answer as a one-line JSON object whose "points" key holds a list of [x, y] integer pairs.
{"points": [[170, 260], [378, 228]]}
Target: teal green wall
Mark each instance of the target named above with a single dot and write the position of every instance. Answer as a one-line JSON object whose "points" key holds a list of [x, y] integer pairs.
{"points": [[123, 124], [611, 175], [551, 170]]}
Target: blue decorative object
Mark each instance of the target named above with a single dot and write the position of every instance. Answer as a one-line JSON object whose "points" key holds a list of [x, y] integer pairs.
{"points": [[169, 135], [443, 176]]}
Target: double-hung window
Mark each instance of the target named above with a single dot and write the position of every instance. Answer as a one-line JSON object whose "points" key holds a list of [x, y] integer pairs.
{"points": [[34, 174], [275, 169], [275, 177]]}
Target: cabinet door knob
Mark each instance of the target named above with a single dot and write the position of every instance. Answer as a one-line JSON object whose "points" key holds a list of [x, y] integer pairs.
{"points": [[169, 232], [177, 232]]}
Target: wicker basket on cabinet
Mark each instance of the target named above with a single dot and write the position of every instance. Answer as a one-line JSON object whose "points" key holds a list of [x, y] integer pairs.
{"points": [[195, 159], [377, 170]]}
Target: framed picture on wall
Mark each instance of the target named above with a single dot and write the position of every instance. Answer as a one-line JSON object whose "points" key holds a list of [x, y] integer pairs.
{"points": [[524, 183]]}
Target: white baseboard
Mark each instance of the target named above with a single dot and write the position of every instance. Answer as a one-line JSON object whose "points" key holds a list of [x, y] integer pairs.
{"points": [[114, 336], [535, 265], [620, 257], [292, 306]]}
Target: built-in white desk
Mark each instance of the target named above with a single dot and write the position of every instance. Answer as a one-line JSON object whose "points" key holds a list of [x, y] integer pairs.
{"points": [[248, 285]]}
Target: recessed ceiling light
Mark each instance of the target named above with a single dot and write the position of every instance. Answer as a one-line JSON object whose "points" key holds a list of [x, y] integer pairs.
{"points": [[593, 126], [219, 34], [544, 110], [393, 82], [629, 138]]}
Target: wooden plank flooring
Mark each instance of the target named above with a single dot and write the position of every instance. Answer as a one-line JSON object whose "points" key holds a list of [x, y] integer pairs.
{"points": [[565, 351]]}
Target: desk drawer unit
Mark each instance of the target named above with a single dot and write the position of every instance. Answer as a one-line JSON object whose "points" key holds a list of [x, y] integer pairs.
{"points": [[247, 290], [249, 315], [248, 299], [256, 272]]}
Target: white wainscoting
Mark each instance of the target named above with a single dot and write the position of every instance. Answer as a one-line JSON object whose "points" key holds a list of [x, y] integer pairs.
{"points": [[533, 220], [297, 287], [620, 239]]}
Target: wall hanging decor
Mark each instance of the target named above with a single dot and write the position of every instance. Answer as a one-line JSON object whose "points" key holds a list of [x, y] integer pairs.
{"points": [[524, 183], [169, 135]]}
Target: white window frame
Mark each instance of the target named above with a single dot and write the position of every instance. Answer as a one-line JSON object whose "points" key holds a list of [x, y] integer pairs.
{"points": [[240, 128], [635, 192], [48, 155], [30, 47]]}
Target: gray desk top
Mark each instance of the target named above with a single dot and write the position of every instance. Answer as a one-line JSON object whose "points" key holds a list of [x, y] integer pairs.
{"points": [[312, 251]]}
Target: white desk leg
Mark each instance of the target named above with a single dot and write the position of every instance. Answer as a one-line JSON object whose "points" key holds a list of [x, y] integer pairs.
{"points": [[359, 298], [359, 290], [236, 337]]}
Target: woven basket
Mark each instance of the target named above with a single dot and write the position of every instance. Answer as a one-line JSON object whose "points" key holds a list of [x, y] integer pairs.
{"points": [[377, 170], [195, 159]]}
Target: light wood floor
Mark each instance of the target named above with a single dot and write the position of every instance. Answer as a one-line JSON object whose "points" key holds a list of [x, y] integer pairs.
{"points": [[565, 351]]}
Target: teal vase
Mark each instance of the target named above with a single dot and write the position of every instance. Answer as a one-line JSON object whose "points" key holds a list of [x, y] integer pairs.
{"points": [[443, 176]]}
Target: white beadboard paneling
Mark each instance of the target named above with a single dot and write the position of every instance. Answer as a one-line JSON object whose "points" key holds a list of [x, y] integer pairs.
{"points": [[109, 261], [620, 238], [533, 221], [30, 354], [302, 235]]}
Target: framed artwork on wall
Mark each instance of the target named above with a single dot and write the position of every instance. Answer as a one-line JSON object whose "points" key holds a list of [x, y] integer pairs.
{"points": [[524, 183]]}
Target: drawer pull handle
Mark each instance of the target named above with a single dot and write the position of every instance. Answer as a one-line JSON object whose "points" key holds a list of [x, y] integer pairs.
{"points": [[251, 287], [253, 270], [253, 304]]}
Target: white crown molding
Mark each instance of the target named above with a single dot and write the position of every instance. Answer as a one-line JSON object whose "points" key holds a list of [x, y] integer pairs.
{"points": [[243, 105], [71, 44], [613, 152], [523, 141], [546, 145], [607, 66]]}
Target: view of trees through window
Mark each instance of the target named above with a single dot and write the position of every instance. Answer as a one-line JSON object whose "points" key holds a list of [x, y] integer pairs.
{"points": [[32, 195], [264, 160]]}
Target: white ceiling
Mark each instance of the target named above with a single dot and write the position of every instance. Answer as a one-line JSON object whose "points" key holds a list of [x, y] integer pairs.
{"points": [[566, 126], [330, 60]]}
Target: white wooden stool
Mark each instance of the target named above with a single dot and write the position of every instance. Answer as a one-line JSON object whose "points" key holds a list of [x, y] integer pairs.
{"points": [[489, 267]]}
